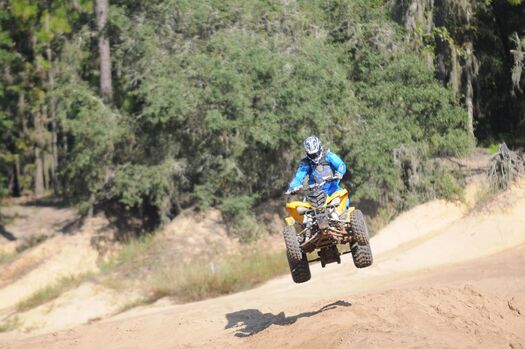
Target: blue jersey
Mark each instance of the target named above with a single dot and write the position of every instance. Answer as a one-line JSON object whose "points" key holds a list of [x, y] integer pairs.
{"points": [[329, 165]]}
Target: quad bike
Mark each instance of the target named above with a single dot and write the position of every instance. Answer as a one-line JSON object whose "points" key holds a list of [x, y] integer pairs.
{"points": [[321, 222]]}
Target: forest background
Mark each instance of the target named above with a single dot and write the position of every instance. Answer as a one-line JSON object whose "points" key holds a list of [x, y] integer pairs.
{"points": [[142, 109]]}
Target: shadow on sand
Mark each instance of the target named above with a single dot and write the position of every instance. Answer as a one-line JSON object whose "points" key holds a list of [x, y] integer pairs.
{"points": [[6, 234], [252, 321]]}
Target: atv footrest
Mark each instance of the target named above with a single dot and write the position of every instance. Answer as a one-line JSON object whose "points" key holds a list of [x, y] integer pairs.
{"points": [[319, 258], [329, 255]]}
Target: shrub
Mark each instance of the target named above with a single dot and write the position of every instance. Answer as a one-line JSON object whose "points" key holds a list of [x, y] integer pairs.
{"points": [[227, 275]]}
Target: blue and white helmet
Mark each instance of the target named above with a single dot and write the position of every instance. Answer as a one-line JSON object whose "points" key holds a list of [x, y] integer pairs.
{"points": [[313, 149]]}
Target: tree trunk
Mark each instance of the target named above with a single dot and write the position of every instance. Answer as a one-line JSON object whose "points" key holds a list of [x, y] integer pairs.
{"points": [[17, 190], [52, 113], [455, 72], [25, 132], [101, 13], [37, 137], [440, 15], [91, 209], [39, 172], [440, 61], [38, 141], [21, 113], [505, 166], [45, 166], [469, 93]]}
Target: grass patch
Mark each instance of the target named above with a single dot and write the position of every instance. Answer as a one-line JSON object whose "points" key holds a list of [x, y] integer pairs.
{"points": [[204, 280], [131, 266], [493, 148], [10, 324], [50, 292], [5, 220], [31, 242], [131, 254], [135, 303], [484, 198], [158, 270], [6, 257]]}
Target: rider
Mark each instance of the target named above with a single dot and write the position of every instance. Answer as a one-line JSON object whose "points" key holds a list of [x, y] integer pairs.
{"points": [[318, 165]]}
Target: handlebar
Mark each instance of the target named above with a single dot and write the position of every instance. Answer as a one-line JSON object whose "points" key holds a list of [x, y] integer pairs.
{"points": [[313, 186]]}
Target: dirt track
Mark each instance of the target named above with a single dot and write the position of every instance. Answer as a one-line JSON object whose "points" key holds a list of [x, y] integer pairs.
{"points": [[435, 309], [443, 278]]}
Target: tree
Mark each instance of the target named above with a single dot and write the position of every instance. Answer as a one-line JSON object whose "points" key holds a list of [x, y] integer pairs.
{"points": [[475, 49], [168, 104], [101, 14]]}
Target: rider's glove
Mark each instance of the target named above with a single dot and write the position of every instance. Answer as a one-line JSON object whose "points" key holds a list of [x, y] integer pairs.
{"points": [[338, 176], [292, 190]]}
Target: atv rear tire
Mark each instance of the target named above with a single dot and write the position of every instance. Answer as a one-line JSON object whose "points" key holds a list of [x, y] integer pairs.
{"points": [[297, 260], [360, 246]]}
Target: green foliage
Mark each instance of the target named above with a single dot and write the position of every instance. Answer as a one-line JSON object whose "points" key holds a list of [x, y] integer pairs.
{"points": [[213, 98], [185, 274], [446, 185], [231, 274], [484, 199], [131, 252], [493, 148], [501, 104], [241, 95], [232, 207], [239, 213], [51, 292], [10, 324], [98, 132]]}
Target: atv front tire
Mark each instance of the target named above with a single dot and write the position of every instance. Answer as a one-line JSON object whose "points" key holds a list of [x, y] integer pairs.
{"points": [[360, 245], [297, 260]]}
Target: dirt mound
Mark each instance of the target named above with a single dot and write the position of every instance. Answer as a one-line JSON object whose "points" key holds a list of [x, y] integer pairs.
{"points": [[415, 295], [53, 245], [191, 236], [87, 303], [434, 309], [198, 232], [58, 257], [461, 306], [444, 317], [418, 224]]}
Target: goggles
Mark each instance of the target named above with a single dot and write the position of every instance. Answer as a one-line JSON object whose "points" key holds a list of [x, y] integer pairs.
{"points": [[315, 156]]}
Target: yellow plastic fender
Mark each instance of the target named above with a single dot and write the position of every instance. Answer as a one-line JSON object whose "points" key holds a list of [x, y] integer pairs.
{"points": [[343, 194], [350, 210], [291, 207], [289, 221]]}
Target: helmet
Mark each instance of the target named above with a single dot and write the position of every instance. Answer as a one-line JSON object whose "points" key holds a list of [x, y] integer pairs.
{"points": [[313, 148]]}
